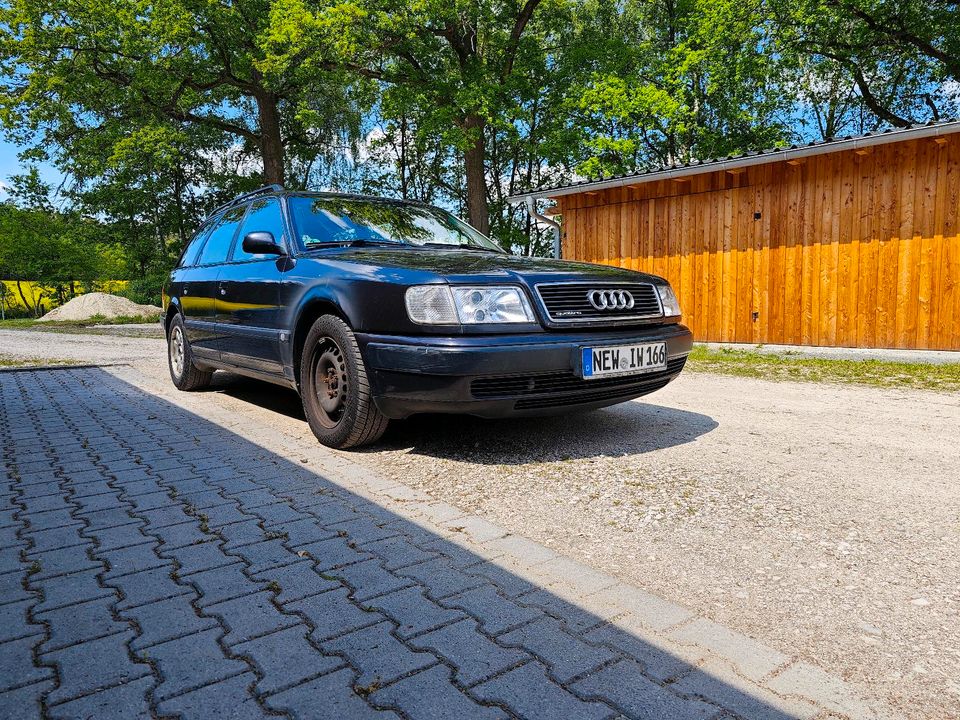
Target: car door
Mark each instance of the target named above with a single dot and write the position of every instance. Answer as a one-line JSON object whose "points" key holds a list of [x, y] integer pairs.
{"points": [[184, 277], [198, 295], [248, 299]]}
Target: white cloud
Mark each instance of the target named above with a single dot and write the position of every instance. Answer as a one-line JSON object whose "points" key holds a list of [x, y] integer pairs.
{"points": [[363, 150]]}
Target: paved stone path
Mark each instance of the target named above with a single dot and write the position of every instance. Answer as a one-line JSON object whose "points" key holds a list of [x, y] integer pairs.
{"points": [[155, 563]]}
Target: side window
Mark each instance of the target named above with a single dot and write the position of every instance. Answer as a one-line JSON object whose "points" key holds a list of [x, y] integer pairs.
{"points": [[264, 216], [218, 244], [189, 254]]}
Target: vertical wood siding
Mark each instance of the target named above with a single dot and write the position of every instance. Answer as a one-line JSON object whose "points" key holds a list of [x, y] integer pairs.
{"points": [[855, 250]]}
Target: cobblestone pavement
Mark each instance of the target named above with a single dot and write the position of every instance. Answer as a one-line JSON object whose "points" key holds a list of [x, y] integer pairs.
{"points": [[156, 563]]}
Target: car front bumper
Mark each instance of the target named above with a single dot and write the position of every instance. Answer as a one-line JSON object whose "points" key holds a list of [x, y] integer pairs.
{"points": [[508, 375]]}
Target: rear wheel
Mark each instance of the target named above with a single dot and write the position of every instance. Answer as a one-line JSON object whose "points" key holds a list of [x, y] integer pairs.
{"points": [[185, 375], [335, 389]]}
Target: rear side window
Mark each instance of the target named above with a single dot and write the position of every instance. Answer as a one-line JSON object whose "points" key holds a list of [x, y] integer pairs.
{"points": [[264, 216], [218, 243], [190, 253]]}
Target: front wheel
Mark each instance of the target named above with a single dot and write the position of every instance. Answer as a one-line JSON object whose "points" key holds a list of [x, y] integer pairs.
{"points": [[334, 387]]}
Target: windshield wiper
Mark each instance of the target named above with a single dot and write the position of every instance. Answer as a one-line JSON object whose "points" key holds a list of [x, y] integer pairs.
{"points": [[356, 242], [462, 246]]}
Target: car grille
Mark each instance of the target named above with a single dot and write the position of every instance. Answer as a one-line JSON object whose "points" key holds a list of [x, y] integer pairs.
{"points": [[569, 302], [558, 389]]}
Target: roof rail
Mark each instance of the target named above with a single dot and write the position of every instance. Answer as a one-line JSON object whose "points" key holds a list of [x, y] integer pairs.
{"points": [[274, 187]]}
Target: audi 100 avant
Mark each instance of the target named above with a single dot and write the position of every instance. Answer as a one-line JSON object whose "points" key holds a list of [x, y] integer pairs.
{"points": [[377, 309]]}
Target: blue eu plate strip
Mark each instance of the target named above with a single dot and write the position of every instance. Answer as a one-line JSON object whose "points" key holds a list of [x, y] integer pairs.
{"points": [[587, 361]]}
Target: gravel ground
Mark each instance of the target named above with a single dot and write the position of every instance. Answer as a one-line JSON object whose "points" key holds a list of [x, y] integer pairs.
{"points": [[84, 347], [823, 520], [152, 329]]}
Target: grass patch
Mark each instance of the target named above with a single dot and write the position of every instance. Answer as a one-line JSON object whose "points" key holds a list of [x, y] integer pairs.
{"points": [[795, 367], [85, 327], [123, 320], [18, 323], [33, 324]]}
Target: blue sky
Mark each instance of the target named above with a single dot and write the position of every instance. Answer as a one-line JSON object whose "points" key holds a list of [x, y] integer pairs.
{"points": [[10, 165]]}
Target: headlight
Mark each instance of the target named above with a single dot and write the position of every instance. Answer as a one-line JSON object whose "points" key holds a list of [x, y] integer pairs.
{"points": [[445, 305], [671, 306], [491, 305]]}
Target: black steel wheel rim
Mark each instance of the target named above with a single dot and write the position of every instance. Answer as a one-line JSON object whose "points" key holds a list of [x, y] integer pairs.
{"points": [[330, 382]]}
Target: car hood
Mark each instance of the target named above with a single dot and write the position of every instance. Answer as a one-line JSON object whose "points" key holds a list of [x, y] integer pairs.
{"points": [[436, 264]]}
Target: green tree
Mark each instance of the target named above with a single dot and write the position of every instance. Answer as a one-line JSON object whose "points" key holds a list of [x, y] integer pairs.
{"points": [[676, 80], [886, 61], [49, 249], [455, 64], [76, 67], [525, 144], [53, 249], [157, 111]]}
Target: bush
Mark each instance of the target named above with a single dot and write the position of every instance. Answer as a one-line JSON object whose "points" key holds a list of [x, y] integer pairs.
{"points": [[146, 290], [16, 312]]}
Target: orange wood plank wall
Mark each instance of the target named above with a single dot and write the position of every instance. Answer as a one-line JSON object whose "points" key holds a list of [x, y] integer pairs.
{"points": [[848, 249]]}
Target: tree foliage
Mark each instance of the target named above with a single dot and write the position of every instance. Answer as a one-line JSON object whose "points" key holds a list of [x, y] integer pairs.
{"points": [[679, 79], [461, 68], [861, 64], [58, 252], [121, 67], [156, 110]]}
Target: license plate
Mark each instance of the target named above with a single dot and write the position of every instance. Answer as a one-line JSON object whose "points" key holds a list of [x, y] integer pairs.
{"points": [[622, 359]]}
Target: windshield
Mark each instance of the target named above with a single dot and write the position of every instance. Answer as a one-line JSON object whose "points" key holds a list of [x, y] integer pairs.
{"points": [[338, 220]]}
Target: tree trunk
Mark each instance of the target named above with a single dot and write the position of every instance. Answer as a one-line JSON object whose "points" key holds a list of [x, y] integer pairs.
{"points": [[178, 195], [403, 157], [30, 308], [473, 160], [271, 143]]}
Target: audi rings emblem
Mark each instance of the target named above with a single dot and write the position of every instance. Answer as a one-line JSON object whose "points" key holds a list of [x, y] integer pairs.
{"points": [[611, 299]]}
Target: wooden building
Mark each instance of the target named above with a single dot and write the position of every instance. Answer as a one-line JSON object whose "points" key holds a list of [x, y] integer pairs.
{"points": [[850, 242]]}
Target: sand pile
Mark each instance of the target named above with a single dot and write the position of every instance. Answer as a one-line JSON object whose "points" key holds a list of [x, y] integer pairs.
{"points": [[84, 307]]}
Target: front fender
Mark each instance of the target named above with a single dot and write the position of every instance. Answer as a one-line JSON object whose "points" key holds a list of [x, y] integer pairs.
{"points": [[171, 307], [368, 301]]}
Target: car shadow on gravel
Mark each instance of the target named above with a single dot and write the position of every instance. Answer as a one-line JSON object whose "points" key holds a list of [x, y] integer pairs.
{"points": [[631, 428], [565, 661]]}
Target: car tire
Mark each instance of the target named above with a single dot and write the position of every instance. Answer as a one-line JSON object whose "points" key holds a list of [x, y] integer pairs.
{"points": [[185, 375], [335, 389]]}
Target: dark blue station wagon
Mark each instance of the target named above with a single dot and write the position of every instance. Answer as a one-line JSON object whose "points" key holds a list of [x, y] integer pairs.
{"points": [[376, 309]]}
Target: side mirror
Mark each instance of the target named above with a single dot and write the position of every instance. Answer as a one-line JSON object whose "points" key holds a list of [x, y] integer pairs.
{"points": [[261, 243]]}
